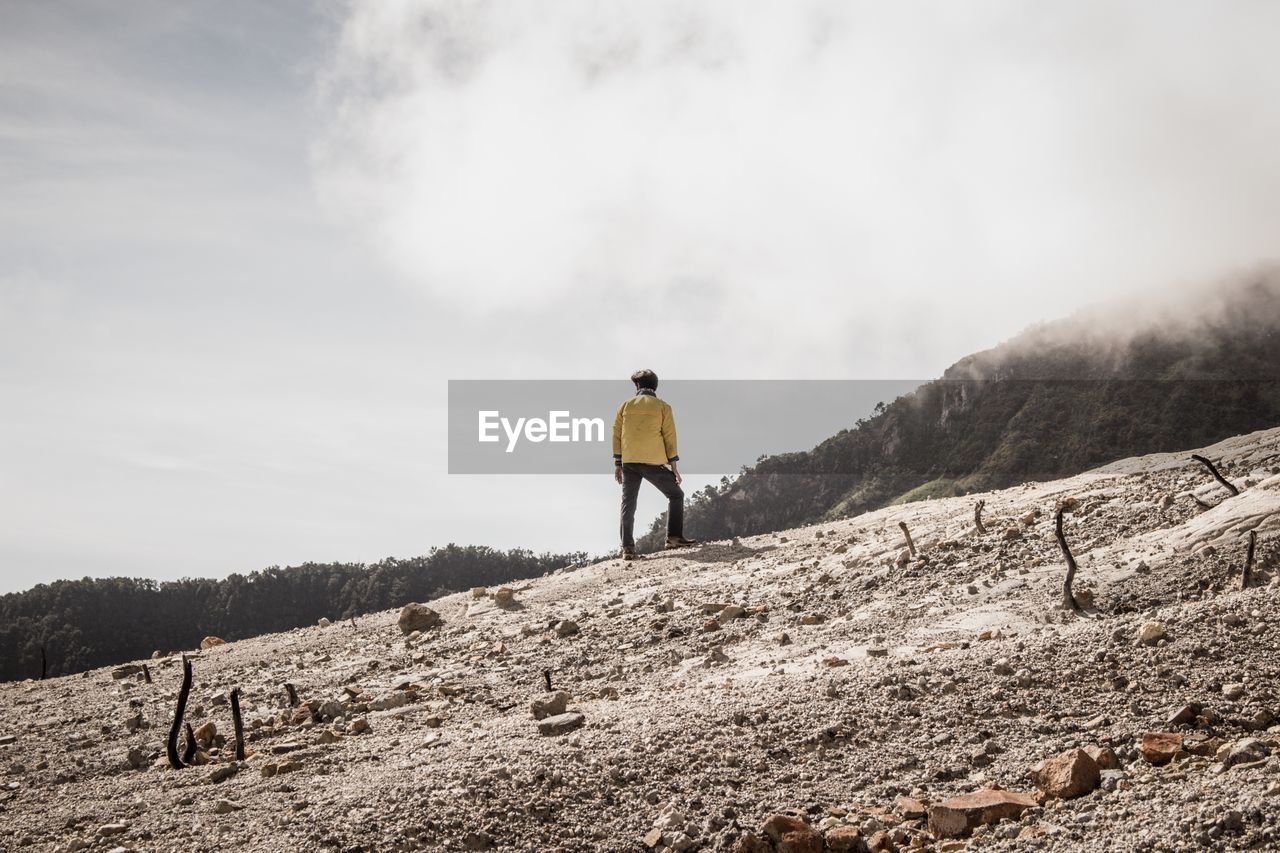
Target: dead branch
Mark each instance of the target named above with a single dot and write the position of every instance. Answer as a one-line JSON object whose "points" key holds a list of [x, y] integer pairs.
{"points": [[911, 545], [172, 745], [146, 673], [977, 516], [1068, 598], [293, 695], [238, 722], [1248, 560], [1216, 475], [189, 754], [546, 677]]}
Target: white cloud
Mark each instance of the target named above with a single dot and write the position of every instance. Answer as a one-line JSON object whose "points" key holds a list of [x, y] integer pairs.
{"points": [[946, 167]]}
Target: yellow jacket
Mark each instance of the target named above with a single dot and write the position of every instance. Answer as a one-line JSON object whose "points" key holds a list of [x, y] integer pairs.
{"points": [[644, 431]]}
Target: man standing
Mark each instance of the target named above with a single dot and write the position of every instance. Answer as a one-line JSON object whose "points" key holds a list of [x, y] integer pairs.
{"points": [[644, 444]]}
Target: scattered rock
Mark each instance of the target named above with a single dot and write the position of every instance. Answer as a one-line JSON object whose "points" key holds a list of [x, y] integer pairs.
{"points": [[1073, 773], [210, 642], [206, 732], [561, 723], [909, 807], [109, 829], [550, 705], [566, 628], [1245, 751], [958, 816], [223, 772], [791, 834], [324, 622], [504, 596], [1151, 633], [418, 617], [226, 807], [1160, 747]]}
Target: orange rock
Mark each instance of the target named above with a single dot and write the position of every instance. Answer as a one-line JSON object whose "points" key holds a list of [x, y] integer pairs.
{"points": [[1160, 747], [957, 816], [210, 642], [1073, 773], [791, 835], [1105, 757], [844, 839], [909, 807]]}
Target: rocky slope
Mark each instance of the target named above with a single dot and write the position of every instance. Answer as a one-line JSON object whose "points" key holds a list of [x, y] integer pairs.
{"points": [[813, 689]]}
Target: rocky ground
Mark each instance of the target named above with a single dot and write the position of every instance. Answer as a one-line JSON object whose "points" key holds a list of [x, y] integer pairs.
{"points": [[818, 689]]}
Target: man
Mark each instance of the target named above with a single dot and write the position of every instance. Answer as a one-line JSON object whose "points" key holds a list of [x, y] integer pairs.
{"points": [[644, 444]]}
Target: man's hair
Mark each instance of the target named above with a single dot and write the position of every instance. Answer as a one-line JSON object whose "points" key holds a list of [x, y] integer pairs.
{"points": [[645, 379]]}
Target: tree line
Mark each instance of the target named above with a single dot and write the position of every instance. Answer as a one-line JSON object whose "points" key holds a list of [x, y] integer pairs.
{"points": [[71, 625]]}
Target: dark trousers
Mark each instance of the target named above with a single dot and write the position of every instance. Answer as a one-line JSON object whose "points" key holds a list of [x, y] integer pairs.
{"points": [[660, 476]]}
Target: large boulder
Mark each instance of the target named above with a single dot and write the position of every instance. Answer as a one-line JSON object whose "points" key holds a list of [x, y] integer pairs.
{"points": [[1073, 773], [958, 816], [418, 617]]}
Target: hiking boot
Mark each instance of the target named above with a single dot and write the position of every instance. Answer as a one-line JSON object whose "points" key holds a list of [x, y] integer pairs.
{"points": [[681, 542]]}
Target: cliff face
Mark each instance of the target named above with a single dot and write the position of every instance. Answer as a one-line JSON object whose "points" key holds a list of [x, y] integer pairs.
{"points": [[1053, 401]]}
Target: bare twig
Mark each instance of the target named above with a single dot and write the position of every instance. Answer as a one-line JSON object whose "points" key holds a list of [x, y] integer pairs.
{"points": [[1216, 475], [1248, 560], [977, 516], [146, 673], [910, 543], [1068, 598], [172, 746], [546, 677], [238, 722], [293, 695]]}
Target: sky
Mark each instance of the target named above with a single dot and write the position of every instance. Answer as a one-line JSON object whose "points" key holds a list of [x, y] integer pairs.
{"points": [[244, 246]]}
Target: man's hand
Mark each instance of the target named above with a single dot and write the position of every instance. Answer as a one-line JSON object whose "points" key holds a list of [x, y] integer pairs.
{"points": [[617, 473], [676, 471]]}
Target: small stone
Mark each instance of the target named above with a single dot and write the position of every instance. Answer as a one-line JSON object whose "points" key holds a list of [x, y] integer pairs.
{"points": [[223, 772], [359, 726], [1233, 691], [210, 642], [958, 816], [418, 617], [550, 705], [226, 807], [1185, 715], [1245, 751], [731, 612], [909, 807], [126, 671], [109, 829], [1104, 756], [834, 661], [324, 622], [877, 652], [561, 723], [1073, 773], [652, 838], [566, 628], [791, 834], [1160, 747], [845, 839], [479, 592], [288, 746], [1151, 633], [504, 596], [812, 619], [206, 732]]}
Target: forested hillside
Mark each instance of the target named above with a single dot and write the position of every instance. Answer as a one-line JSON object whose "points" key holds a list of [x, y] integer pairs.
{"points": [[1056, 400], [95, 622]]}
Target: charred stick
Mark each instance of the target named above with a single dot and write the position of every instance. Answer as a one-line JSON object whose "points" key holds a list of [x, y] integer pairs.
{"points": [[238, 722], [293, 695], [977, 516], [44, 664], [1248, 560], [1068, 598], [1216, 475], [172, 745], [189, 754], [146, 673], [910, 543], [546, 678]]}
